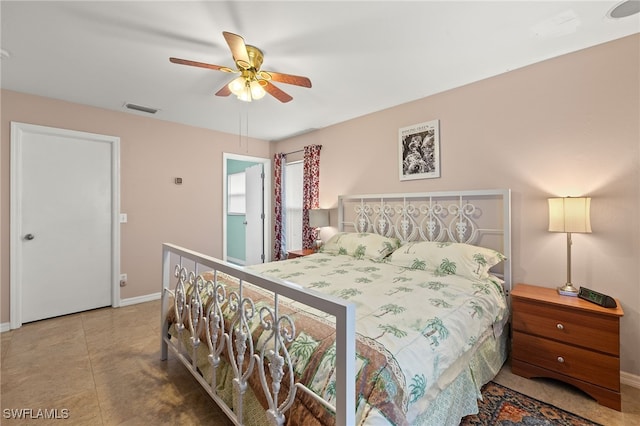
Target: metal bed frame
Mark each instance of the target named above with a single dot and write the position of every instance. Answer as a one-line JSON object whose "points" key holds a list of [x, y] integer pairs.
{"points": [[456, 216]]}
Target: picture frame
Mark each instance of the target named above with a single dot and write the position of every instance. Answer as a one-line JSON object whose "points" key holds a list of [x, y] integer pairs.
{"points": [[419, 151]]}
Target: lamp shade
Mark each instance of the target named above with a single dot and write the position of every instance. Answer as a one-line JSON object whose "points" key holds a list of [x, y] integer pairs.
{"points": [[570, 214], [318, 218]]}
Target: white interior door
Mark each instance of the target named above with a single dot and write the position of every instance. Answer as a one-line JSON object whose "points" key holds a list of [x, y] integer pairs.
{"points": [[254, 215], [65, 222]]}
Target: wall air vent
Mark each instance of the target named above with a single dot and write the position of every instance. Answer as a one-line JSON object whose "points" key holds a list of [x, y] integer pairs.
{"points": [[141, 108]]}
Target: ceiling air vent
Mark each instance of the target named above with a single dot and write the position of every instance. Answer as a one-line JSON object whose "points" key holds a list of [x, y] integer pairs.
{"points": [[624, 9], [141, 108]]}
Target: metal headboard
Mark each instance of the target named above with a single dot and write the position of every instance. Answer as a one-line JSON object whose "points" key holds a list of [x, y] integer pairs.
{"points": [[478, 217]]}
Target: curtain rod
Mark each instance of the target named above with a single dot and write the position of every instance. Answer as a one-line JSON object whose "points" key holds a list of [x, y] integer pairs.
{"points": [[299, 150]]}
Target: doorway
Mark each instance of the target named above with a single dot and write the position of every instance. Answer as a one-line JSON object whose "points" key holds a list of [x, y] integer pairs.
{"points": [[65, 236], [246, 209]]}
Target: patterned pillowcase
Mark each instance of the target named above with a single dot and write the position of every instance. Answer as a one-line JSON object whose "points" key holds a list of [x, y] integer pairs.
{"points": [[361, 245], [447, 258]]}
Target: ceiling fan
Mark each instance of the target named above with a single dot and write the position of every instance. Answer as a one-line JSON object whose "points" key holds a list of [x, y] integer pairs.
{"points": [[253, 83]]}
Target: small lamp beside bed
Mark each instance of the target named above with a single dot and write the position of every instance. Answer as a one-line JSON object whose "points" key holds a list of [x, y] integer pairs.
{"points": [[318, 218], [569, 215]]}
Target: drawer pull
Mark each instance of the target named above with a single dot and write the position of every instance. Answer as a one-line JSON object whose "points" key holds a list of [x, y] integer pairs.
{"points": [[560, 360], [560, 326]]}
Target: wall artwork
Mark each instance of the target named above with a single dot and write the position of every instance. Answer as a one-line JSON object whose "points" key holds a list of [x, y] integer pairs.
{"points": [[419, 151]]}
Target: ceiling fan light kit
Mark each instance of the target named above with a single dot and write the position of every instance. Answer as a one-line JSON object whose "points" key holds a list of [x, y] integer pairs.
{"points": [[253, 83], [247, 88]]}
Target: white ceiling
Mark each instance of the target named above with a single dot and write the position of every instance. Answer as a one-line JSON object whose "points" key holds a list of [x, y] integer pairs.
{"points": [[361, 56]]}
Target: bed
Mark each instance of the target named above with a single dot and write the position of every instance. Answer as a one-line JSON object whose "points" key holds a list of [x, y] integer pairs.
{"points": [[410, 298]]}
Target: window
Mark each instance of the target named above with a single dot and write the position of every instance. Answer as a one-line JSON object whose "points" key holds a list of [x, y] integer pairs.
{"points": [[236, 193], [293, 204]]}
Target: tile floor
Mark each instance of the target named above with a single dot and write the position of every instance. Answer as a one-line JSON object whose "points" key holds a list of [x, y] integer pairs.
{"points": [[103, 367]]}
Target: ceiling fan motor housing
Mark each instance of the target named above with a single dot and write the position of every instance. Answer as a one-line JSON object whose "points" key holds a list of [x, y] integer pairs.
{"points": [[255, 58]]}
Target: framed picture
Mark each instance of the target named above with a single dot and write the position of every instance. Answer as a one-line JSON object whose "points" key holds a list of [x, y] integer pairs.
{"points": [[419, 151]]}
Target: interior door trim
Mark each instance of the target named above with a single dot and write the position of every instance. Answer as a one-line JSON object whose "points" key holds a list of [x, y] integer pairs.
{"points": [[266, 164], [17, 131]]}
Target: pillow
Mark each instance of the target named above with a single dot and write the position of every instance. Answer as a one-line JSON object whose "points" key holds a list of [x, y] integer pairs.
{"points": [[361, 245], [447, 258]]}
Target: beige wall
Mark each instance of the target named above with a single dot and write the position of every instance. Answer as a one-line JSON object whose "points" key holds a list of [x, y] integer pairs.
{"points": [[567, 126], [152, 154]]}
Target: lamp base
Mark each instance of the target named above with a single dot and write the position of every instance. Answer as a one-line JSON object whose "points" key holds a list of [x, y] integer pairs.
{"points": [[568, 290]]}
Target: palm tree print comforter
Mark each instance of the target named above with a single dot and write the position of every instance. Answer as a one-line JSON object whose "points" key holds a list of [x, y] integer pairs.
{"points": [[415, 328]]}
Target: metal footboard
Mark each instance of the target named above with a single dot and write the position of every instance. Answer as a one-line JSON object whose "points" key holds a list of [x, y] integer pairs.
{"points": [[199, 320]]}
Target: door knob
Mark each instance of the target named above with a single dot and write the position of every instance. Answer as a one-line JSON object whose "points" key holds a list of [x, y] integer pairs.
{"points": [[29, 237]]}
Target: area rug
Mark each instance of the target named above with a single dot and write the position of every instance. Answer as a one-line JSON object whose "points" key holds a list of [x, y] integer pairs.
{"points": [[503, 406]]}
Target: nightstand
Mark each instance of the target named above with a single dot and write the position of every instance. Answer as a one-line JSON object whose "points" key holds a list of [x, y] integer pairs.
{"points": [[569, 339], [299, 253]]}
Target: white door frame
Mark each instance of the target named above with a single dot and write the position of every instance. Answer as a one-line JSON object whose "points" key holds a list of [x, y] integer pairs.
{"points": [[17, 130], [266, 164]]}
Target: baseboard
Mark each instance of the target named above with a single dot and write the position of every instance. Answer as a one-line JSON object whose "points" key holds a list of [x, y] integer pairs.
{"points": [[630, 379], [6, 326], [233, 260], [139, 299]]}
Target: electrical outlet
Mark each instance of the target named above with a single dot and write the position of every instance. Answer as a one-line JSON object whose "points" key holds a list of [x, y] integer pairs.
{"points": [[123, 280]]}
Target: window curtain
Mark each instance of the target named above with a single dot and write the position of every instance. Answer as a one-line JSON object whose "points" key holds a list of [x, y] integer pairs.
{"points": [[310, 192], [280, 245]]}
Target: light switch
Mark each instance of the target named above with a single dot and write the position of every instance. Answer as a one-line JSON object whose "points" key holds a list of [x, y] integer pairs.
{"points": [[123, 218]]}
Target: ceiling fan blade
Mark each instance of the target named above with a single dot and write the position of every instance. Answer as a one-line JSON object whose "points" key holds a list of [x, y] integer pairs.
{"points": [[224, 91], [200, 64], [238, 49], [287, 78], [277, 93]]}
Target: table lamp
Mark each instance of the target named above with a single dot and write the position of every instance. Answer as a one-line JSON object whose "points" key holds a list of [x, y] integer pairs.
{"points": [[318, 218], [569, 215]]}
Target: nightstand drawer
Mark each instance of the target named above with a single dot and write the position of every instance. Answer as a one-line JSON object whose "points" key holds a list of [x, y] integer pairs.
{"points": [[597, 368], [293, 254], [591, 331]]}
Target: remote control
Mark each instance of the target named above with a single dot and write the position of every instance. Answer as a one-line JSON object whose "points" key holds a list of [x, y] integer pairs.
{"points": [[597, 298]]}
